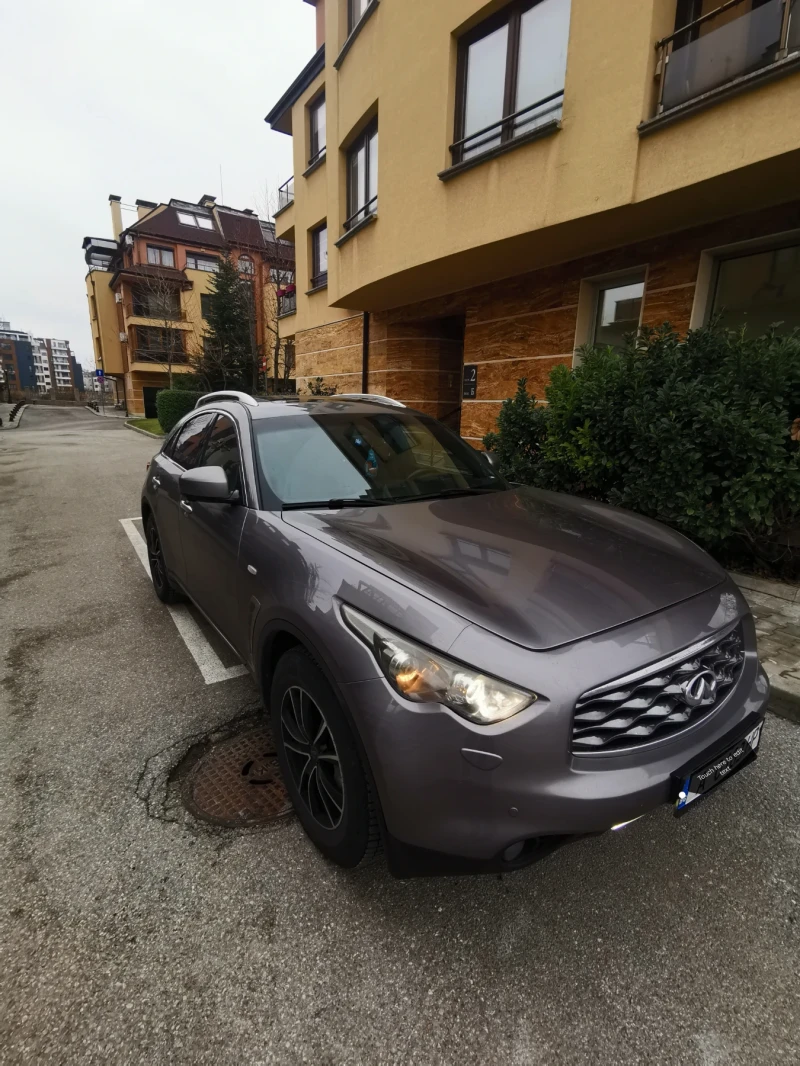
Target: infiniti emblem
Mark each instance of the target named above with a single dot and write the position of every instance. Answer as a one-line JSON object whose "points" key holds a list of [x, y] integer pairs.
{"points": [[701, 689]]}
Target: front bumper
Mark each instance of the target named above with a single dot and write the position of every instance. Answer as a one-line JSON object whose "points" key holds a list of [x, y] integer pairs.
{"points": [[447, 811]]}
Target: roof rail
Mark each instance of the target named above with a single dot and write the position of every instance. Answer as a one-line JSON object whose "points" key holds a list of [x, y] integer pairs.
{"points": [[373, 396], [237, 397]]}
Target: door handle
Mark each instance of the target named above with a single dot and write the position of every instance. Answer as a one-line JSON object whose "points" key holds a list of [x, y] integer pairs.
{"points": [[185, 506], [155, 482]]}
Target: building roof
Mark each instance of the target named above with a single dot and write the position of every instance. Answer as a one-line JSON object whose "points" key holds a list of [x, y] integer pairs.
{"points": [[151, 270], [279, 118]]}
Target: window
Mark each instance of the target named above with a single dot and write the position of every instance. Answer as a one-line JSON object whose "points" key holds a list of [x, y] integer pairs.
{"points": [[511, 76], [759, 290], [205, 303], [362, 177], [155, 304], [245, 265], [372, 457], [619, 312], [201, 221], [222, 450], [164, 257], [316, 118], [188, 445], [159, 345], [209, 263], [355, 12], [319, 257]]}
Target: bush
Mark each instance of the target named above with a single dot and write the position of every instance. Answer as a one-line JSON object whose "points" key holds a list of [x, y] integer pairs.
{"points": [[173, 404], [696, 433]]}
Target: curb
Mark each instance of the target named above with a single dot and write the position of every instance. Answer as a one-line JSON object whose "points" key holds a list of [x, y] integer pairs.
{"points": [[15, 424], [784, 699], [144, 432]]}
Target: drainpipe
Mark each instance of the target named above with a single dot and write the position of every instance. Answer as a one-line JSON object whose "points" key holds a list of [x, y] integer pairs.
{"points": [[365, 353]]}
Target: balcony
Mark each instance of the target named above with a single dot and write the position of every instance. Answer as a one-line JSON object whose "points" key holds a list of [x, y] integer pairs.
{"points": [[285, 195], [287, 303], [726, 50], [145, 355]]}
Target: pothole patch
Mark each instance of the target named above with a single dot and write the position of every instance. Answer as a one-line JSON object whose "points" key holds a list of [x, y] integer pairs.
{"points": [[237, 782]]}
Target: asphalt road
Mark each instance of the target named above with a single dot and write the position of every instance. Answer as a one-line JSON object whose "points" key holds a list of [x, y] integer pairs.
{"points": [[129, 934]]}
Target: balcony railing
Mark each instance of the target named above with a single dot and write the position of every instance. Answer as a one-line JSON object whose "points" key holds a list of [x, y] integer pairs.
{"points": [[286, 193], [724, 45], [145, 355], [369, 208], [287, 303], [522, 122]]}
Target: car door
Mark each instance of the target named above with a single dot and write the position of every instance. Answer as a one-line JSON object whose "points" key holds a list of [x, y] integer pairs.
{"points": [[181, 453], [210, 534]]}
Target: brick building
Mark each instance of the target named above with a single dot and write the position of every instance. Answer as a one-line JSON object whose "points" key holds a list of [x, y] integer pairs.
{"points": [[548, 174]]}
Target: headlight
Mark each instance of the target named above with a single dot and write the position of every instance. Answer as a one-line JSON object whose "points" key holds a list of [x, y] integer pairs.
{"points": [[428, 677]]}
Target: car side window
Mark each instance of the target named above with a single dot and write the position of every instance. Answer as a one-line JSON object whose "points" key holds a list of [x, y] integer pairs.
{"points": [[222, 449], [188, 446]]}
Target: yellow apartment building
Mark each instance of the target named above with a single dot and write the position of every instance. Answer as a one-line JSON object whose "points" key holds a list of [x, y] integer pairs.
{"points": [[148, 288], [480, 188]]}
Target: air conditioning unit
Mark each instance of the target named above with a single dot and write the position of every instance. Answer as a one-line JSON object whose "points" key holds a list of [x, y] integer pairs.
{"points": [[123, 337], [118, 297]]}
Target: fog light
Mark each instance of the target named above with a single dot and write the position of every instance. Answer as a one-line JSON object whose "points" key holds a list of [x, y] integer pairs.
{"points": [[513, 851]]}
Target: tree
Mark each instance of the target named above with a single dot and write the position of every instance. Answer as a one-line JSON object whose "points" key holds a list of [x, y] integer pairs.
{"points": [[230, 354], [158, 298]]}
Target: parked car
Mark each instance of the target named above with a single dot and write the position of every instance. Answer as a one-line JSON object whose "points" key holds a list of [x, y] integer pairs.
{"points": [[466, 672]]}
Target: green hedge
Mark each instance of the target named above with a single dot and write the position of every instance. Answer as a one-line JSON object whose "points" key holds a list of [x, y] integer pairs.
{"points": [[696, 433], [173, 404]]}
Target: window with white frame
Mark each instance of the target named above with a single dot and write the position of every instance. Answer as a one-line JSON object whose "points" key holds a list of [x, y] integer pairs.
{"points": [[758, 290], [198, 221]]}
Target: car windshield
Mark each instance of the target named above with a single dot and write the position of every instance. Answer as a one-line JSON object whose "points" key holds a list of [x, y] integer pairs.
{"points": [[328, 459]]}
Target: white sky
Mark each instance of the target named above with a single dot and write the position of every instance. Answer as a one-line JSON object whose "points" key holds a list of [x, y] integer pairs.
{"points": [[139, 98]]}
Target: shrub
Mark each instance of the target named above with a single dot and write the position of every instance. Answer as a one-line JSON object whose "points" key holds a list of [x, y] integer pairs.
{"points": [[696, 433], [173, 404]]}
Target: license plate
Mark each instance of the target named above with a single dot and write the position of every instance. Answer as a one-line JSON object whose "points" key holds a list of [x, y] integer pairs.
{"points": [[697, 783]]}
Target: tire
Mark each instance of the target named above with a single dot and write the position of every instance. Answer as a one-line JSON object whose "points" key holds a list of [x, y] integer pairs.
{"points": [[320, 763], [164, 588]]}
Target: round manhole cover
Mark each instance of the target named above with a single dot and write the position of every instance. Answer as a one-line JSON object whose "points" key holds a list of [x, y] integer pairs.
{"points": [[238, 782]]}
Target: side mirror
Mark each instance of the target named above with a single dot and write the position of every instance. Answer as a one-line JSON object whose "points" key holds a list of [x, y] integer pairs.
{"points": [[207, 483]]}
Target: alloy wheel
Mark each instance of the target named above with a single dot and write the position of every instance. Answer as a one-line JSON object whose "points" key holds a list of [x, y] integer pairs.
{"points": [[312, 757], [156, 557]]}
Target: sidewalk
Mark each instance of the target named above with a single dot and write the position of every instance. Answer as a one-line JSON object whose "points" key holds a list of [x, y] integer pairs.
{"points": [[776, 609]]}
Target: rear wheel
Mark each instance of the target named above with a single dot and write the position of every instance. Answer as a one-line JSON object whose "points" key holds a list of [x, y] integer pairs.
{"points": [[164, 588], [320, 762]]}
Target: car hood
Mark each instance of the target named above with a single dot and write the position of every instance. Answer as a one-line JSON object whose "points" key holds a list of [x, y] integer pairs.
{"points": [[538, 568]]}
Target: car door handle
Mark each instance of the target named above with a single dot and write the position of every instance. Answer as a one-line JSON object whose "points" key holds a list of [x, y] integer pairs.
{"points": [[155, 482], [185, 506]]}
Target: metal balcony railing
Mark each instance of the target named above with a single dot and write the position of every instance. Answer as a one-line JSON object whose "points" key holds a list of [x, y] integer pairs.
{"points": [[286, 193], [145, 355], [522, 122], [287, 303], [723, 45], [369, 208]]}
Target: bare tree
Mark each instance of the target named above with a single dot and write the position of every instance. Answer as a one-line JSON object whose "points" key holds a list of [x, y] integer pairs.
{"points": [[157, 297]]}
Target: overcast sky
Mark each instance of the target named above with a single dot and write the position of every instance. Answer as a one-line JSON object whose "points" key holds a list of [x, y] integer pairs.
{"points": [[140, 98]]}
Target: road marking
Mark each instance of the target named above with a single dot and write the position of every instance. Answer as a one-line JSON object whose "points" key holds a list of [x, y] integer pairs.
{"points": [[208, 662]]}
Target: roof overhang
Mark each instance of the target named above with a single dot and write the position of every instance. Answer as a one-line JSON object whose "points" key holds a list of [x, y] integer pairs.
{"points": [[280, 117]]}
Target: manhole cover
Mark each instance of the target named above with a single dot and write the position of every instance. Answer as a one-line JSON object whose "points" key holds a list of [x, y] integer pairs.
{"points": [[238, 782]]}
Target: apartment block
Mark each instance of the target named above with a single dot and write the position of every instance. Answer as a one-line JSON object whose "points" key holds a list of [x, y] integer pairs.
{"points": [[149, 284], [16, 362], [481, 188], [56, 366]]}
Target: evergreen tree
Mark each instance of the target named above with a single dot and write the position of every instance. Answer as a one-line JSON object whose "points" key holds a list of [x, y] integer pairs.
{"points": [[230, 356]]}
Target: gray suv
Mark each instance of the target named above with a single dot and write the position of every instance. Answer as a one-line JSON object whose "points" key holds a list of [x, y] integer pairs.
{"points": [[461, 671]]}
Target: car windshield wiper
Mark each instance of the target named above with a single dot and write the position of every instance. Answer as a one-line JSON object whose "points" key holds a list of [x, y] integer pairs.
{"points": [[333, 505], [447, 493]]}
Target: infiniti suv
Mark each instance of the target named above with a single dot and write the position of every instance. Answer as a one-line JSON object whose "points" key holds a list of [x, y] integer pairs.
{"points": [[464, 672]]}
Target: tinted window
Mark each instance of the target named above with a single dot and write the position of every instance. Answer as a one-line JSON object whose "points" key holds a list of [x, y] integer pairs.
{"points": [[369, 456], [759, 291], [222, 450], [188, 447], [619, 309]]}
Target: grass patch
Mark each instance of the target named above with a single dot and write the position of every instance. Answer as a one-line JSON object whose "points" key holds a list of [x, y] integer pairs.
{"points": [[152, 425]]}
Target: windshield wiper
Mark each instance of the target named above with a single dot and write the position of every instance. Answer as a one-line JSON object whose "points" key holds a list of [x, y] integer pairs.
{"points": [[333, 505], [447, 493]]}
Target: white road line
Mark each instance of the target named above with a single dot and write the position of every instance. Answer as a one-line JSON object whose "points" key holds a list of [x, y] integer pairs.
{"points": [[208, 662]]}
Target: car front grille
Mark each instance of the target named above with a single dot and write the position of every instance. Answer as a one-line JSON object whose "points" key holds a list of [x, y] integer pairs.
{"points": [[660, 701]]}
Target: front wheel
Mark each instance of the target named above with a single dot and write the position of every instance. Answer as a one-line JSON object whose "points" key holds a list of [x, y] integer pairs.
{"points": [[164, 588], [320, 763]]}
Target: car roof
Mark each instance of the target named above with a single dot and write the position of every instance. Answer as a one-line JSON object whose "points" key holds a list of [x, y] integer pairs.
{"points": [[322, 405]]}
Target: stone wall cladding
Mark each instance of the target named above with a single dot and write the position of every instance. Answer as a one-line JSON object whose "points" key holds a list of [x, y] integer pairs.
{"points": [[516, 327]]}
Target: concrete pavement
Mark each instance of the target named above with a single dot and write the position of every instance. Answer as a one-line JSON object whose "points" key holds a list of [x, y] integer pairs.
{"points": [[130, 934]]}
